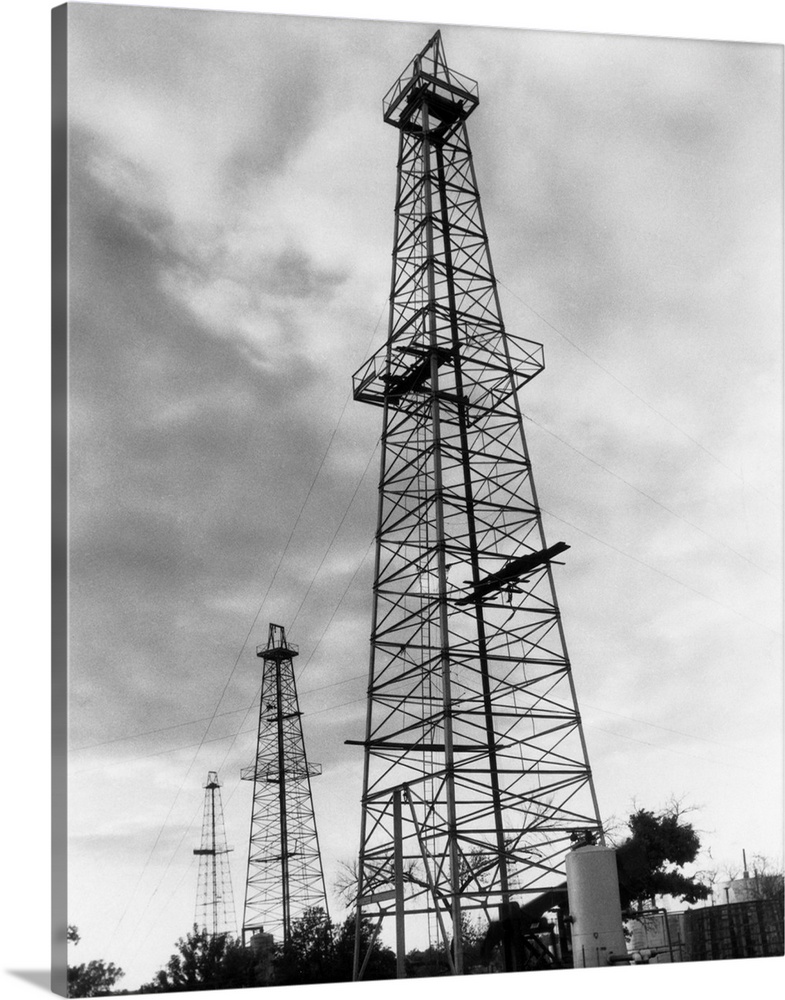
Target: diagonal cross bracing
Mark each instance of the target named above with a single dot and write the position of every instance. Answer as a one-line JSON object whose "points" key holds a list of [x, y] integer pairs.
{"points": [[285, 875], [475, 768]]}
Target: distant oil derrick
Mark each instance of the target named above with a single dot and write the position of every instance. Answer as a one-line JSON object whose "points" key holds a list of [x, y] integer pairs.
{"points": [[476, 774], [214, 898], [285, 874]]}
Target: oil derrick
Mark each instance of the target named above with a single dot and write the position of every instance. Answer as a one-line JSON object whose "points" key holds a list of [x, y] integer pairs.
{"points": [[214, 897], [476, 775], [285, 874]]}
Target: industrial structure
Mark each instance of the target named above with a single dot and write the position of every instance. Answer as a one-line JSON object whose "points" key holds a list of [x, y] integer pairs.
{"points": [[214, 897], [285, 875], [476, 776]]}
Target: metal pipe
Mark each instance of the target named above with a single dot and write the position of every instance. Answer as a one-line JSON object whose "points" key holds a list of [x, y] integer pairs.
{"points": [[449, 760], [400, 916]]}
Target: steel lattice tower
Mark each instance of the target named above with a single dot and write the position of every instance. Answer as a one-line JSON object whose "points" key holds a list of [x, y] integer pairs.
{"points": [[476, 775], [214, 897], [285, 874]]}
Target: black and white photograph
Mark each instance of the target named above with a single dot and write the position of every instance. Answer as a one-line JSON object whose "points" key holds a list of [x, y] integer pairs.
{"points": [[417, 503]]}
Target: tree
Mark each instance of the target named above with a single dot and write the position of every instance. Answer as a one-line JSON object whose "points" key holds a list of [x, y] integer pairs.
{"points": [[381, 961], [768, 881], [91, 979], [473, 934], [432, 961], [205, 961], [309, 954], [94, 979], [765, 881], [318, 952], [650, 858]]}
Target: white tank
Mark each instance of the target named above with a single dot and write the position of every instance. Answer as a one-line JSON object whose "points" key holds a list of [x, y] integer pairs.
{"points": [[595, 910]]}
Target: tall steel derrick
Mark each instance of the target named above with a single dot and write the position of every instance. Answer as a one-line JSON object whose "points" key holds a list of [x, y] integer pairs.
{"points": [[476, 775], [214, 897], [285, 874]]}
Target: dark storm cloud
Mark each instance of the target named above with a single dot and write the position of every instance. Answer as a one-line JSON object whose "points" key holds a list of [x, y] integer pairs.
{"points": [[181, 450], [292, 275]]}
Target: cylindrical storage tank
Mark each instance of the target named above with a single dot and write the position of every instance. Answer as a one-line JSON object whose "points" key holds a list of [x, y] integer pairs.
{"points": [[595, 909]]}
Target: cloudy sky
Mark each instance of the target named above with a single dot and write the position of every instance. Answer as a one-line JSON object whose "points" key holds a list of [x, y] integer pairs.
{"points": [[231, 202]]}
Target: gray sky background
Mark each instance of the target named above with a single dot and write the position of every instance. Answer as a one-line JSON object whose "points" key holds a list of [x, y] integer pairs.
{"points": [[231, 193]]}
